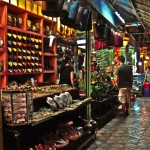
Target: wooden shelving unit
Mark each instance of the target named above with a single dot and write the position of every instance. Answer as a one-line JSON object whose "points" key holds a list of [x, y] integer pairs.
{"points": [[23, 50]]}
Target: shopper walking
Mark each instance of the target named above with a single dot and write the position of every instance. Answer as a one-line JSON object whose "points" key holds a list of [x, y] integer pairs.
{"points": [[147, 74], [124, 80], [66, 73]]}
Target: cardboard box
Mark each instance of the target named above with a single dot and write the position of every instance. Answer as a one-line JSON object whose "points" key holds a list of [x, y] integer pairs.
{"points": [[21, 4], [28, 5]]}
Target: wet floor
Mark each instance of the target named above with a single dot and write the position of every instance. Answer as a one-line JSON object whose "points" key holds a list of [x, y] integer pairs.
{"points": [[130, 133]]}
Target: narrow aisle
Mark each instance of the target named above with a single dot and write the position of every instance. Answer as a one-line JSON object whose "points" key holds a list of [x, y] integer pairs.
{"points": [[130, 133]]}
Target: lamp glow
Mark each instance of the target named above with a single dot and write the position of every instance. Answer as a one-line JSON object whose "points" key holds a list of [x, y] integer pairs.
{"points": [[51, 39]]}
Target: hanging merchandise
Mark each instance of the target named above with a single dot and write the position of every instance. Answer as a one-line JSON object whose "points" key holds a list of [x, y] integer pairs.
{"points": [[80, 16], [52, 8], [99, 29], [134, 29], [99, 45], [118, 39], [110, 36], [71, 18], [86, 20], [65, 9]]}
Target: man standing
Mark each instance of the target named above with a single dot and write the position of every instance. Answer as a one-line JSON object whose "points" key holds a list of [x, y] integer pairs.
{"points": [[124, 80]]}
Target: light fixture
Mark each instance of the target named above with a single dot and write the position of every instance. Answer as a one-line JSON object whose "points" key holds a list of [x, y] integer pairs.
{"points": [[119, 16], [51, 38], [140, 63]]}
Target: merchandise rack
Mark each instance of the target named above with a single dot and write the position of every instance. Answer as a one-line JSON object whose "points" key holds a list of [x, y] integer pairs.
{"points": [[23, 50], [19, 136]]}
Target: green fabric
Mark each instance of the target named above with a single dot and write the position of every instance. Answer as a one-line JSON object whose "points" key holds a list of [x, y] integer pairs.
{"points": [[124, 73]]}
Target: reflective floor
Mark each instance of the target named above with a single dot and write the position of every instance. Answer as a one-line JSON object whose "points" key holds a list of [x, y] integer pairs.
{"points": [[130, 133]]}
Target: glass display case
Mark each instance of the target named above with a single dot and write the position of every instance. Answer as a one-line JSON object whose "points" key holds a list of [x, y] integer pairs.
{"points": [[138, 80]]}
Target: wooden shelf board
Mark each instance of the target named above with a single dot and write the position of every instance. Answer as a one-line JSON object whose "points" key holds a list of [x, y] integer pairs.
{"points": [[51, 71], [49, 54], [23, 31], [22, 73], [3, 73], [2, 26]]}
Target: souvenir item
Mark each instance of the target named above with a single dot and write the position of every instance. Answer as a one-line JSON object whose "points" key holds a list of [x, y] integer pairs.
{"points": [[1, 42], [37, 26], [29, 24], [9, 20], [19, 22]]}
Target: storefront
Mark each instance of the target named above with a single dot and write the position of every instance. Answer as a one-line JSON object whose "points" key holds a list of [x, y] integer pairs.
{"points": [[35, 37]]}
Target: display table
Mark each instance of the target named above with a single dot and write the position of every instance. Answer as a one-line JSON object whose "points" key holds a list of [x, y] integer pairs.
{"points": [[24, 137], [102, 110]]}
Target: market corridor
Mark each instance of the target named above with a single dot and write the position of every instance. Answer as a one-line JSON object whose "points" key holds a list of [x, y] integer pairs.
{"points": [[131, 133]]}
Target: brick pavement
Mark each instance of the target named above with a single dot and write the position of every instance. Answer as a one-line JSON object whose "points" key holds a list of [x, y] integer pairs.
{"points": [[130, 133]]}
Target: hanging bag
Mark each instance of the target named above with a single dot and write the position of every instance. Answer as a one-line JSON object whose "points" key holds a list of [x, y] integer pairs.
{"points": [[86, 20], [52, 8], [99, 29], [65, 9], [71, 18]]}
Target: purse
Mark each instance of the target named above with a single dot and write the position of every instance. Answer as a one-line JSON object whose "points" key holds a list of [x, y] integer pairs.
{"points": [[52, 8], [71, 18], [99, 30], [65, 9], [51, 103], [86, 20], [58, 101]]}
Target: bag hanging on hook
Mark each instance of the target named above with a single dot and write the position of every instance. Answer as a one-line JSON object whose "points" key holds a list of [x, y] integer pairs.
{"points": [[86, 20], [52, 8], [65, 9], [71, 18], [99, 30]]}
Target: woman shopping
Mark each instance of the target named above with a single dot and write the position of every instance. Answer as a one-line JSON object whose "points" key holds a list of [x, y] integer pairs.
{"points": [[66, 73], [147, 74]]}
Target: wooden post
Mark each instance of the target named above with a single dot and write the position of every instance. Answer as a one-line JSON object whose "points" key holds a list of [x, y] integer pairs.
{"points": [[1, 135]]}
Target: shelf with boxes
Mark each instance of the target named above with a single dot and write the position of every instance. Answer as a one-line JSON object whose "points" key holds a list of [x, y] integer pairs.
{"points": [[22, 34]]}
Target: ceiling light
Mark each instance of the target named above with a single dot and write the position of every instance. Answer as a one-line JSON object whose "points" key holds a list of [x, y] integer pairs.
{"points": [[119, 16]]}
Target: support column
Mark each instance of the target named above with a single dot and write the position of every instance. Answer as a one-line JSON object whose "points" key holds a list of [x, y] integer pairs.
{"points": [[1, 135], [88, 71]]}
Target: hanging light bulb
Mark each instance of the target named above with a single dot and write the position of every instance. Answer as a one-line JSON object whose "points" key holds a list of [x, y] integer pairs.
{"points": [[51, 36]]}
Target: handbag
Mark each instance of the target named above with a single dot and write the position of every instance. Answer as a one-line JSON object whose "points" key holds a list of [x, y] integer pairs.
{"points": [[71, 18], [118, 40], [65, 9], [52, 8], [99, 30], [86, 20], [79, 19]]}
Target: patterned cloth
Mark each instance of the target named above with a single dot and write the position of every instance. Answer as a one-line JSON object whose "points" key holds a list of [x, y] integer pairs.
{"points": [[124, 95]]}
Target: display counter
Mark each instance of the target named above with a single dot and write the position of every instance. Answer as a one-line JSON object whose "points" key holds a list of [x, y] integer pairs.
{"points": [[25, 137]]}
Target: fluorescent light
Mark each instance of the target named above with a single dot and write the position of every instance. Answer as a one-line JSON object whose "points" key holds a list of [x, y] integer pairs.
{"points": [[83, 47], [119, 16], [81, 41]]}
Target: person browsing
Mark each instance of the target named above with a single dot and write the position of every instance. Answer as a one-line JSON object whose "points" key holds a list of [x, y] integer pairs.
{"points": [[66, 73]]}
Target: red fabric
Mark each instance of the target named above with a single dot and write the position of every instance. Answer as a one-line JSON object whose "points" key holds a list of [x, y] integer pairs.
{"points": [[146, 85], [99, 45]]}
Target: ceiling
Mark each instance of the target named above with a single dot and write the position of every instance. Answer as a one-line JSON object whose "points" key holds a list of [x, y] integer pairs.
{"points": [[136, 15]]}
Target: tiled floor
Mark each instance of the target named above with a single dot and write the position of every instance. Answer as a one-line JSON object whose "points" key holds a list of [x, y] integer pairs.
{"points": [[130, 133]]}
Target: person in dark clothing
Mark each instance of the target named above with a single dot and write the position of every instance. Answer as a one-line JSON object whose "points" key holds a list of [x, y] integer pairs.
{"points": [[124, 79], [66, 73]]}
